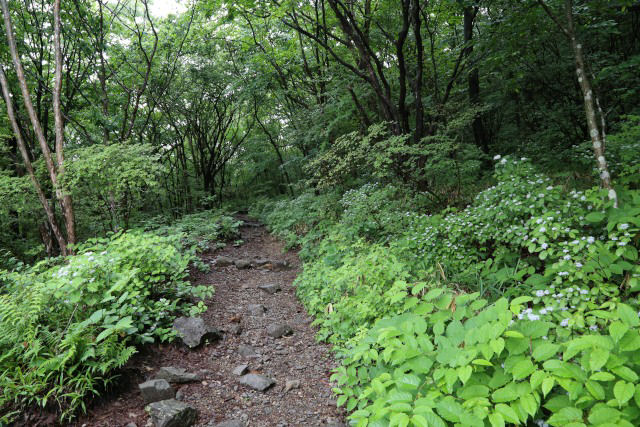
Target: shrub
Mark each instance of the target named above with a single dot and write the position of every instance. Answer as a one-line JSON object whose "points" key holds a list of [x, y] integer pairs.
{"points": [[67, 324], [202, 231], [456, 360]]}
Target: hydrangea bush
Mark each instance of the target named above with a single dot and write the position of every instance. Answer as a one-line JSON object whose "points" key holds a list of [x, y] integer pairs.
{"points": [[538, 322]]}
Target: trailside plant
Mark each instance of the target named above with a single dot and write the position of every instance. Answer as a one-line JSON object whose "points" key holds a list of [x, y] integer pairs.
{"points": [[67, 324], [457, 360]]}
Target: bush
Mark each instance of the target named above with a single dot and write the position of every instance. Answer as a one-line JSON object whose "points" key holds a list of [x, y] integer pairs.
{"points": [[67, 324], [202, 231], [456, 360], [553, 344]]}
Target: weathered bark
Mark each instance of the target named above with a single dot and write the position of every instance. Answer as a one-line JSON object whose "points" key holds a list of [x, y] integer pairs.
{"points": [[595, 132], [67, 205]]}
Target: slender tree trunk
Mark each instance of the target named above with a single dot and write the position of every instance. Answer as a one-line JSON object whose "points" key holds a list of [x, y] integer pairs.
{"points": [[51, 218], [67, 204], [35, 122], [595, 132], [479, 134]]}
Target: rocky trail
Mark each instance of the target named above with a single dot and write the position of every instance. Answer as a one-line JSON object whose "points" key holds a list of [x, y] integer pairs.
{"points": [[259, 363]]}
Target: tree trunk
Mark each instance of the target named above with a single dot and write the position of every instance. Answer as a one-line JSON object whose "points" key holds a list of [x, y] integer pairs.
{"points": [[67, 205], [51, 218], [595, 132]]}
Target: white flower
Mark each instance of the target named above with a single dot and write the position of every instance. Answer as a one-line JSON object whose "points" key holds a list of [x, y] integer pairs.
{"points": [[564, 322], [567, 257], [497, 157], [539, 221], [550, 187], [622, 243], [532, 316], [543, 229], [503, 161], [578, 265], [539, 293], [591, 239], [593, 327], [544, 246], [624, 226], [583, 291]]}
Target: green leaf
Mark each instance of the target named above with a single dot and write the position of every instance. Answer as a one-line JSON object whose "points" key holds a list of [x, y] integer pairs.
{"points": [[598, 358], [547, 385], [496, 420], [419, 421], [628, 315], [508, 413], [603, 376], [523, 369], [545, 351], [623, 392], [617, 330], [464, 373], [595, 217]]}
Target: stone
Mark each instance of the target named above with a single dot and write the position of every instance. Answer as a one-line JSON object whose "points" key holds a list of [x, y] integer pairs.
{"points": [[172, 413], [256, 309], [256, 382], [235, 329], [242, 264], [193, 331], [260, 262], [247, 351], [279, 330], [177, 375], [270, 288], [280, 265], [291, 384], [131, 425], [222, 261], [240, 370], [155, 390], [179, 395]]}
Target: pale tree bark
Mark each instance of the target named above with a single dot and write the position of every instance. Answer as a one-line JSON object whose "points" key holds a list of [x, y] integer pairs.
{"points": [[51, 218], [67, 204], [35, 122], [595, 131]]}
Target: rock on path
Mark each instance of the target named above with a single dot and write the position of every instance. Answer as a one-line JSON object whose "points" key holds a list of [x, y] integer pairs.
{"points": [[241, 304]]}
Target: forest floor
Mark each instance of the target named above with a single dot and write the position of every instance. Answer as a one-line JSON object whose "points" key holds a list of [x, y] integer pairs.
{"points": [[300, 366]]}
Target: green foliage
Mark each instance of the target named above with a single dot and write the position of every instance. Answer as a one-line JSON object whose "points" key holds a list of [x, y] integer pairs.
{"points": [[203, 231], [554, 343], [68, 324], [292, 220], [454, 360], [112, 181]]}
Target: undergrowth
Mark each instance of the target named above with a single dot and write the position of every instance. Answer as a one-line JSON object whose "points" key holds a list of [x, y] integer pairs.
{"points": [[68, 324], [521, 308]]}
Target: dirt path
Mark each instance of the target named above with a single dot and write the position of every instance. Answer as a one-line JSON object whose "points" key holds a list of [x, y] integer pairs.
{"points": [[219, 398]]}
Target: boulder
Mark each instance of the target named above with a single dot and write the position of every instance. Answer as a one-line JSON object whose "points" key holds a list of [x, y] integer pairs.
{"points": [[193, 331], [176, 375], [270, 288], [256, 382], [155, 390], [172, 413], [279, 330]]}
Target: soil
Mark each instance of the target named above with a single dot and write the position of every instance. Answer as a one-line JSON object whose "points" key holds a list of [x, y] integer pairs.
{"points": [[219, 396]]}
